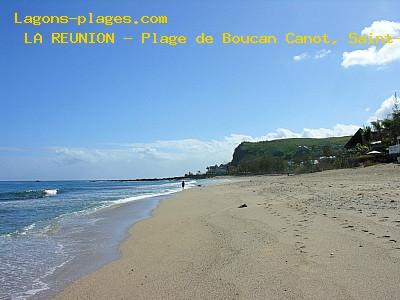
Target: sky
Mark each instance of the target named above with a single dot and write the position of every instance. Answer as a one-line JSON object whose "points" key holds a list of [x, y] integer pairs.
{"points": [[130, 111]]}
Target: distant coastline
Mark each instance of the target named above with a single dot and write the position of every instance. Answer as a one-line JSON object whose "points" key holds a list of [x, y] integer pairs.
{"points": [[186, 177]]}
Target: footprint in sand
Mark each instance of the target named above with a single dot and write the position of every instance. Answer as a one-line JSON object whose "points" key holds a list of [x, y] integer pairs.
{"points": [[349, 226], [301, 247]]}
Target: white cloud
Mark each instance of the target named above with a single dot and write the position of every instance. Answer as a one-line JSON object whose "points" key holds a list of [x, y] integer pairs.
{"points": [[322, 53], [381, 28], [10, 149], [337, 130], [166, 150], [372, 56], [300, 57], [198, 152], [385, 109], [317, 55], [388, 53], [75, 155]]}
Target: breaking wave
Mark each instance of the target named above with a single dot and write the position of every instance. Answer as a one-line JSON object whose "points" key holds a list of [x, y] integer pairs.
{"points": [[25, 195]]}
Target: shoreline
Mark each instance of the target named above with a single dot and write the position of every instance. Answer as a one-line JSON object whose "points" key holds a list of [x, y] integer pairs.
{"points": [[106, 228], [300, 237], [114, 222]]}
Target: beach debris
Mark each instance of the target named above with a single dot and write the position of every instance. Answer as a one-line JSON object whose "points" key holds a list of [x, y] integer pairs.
{"points": [[243, 205]]}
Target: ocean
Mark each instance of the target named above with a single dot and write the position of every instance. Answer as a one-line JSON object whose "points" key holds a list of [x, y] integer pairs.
{"points": [[54, 232]]}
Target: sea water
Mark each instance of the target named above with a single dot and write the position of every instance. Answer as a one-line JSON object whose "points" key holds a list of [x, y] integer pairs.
{"points": [[54, 232]]}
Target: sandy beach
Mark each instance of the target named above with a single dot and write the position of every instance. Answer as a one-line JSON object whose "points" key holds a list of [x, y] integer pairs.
{"points": [[327, 235]]}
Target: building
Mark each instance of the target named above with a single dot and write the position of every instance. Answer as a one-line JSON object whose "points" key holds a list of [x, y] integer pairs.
{"points": [[217, 170], [357, 138], [394, 150]]}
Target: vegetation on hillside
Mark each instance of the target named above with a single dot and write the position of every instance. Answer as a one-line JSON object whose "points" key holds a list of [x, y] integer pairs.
{"points": [[286, 155]]}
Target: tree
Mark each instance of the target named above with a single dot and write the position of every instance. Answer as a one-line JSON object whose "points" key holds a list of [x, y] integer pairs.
{"points": [[367, 134], [377, 125], [327, 151], [361, 149]]}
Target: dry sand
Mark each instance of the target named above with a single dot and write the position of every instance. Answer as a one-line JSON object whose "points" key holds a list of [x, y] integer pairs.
{"points": [[329, 235]]}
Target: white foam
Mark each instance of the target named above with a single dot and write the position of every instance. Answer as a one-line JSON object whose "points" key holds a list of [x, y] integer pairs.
{"points": [[134, 198], [28, 228], [108, 204], [50, 192], [171, 184], [189, 185], [38, 285]]}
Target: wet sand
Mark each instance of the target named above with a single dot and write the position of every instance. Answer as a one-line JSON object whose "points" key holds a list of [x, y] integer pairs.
{"points": [[328, 235]]}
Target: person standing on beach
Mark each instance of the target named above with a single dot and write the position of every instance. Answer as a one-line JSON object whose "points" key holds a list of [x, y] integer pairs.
{"points": [[183, 184]]}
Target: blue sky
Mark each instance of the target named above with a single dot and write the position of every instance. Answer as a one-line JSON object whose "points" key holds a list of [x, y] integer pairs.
{"points": [[127, 110]]}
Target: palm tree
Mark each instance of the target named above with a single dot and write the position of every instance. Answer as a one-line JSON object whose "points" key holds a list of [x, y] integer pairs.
{"points": [[377, 125], [367, 134]]}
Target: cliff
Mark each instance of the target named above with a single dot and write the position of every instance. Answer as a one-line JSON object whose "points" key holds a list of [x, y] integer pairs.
{"points": [[278, 156]]}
